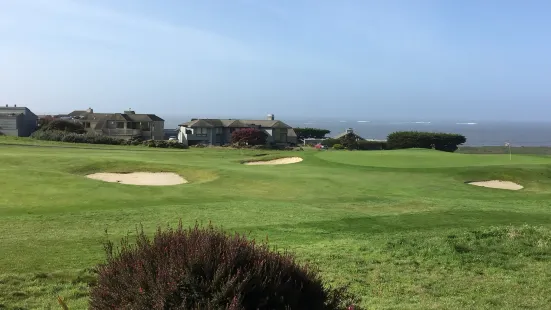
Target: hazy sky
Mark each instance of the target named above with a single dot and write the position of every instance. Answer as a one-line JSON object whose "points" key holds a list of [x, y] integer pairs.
{"points": [[359, 59]]}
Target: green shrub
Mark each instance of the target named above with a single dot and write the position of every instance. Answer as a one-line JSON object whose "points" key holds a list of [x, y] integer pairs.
{"points": [[91, 138], [428, 140], [205, 268], [338, 146], [330, 142], [62, 125], [162, 144], [308, 133], [371, 145]]}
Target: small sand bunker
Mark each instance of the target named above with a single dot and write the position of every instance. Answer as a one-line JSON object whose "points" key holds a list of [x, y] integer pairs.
{"points": [[279, 161], [499, 184], [140, 178]]}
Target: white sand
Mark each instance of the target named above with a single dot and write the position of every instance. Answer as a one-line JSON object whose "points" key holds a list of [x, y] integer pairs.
{"points": [[140, 178], [499, 184], [279, 161]]}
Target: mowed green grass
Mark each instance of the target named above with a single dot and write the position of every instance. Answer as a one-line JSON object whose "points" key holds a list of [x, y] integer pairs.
{"points": [[400, 227]]}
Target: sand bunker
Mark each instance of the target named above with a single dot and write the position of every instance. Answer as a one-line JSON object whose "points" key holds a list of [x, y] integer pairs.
{"points": [[140, 178], [499, 184], [279, 161]]}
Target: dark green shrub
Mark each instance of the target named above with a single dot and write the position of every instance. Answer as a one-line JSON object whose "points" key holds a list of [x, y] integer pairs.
{"points": [[311, 133], [338, 146], [349, 141], [366, 145], [330, 142], [428, 140], [62, 125], [249, 136], [205, 268]]}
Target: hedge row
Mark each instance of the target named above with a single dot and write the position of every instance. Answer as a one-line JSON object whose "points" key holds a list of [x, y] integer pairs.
{"points": [[447, 142], [69, 137], [355, 145], [62, 125]]}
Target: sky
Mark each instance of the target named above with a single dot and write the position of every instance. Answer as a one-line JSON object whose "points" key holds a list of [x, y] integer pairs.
{"points": [[300, 59]]}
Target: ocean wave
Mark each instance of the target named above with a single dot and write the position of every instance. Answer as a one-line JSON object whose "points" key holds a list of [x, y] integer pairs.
{"points": [[363, 121], [466, 123]]}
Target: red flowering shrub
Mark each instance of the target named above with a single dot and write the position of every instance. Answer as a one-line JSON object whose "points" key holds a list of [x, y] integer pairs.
{"points": [[249, 136], [205, 268]]}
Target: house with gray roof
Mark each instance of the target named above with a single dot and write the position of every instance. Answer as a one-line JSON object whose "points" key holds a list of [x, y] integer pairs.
{"points": [[121, 125], [218, 131], [17, 121], [349, 132]]}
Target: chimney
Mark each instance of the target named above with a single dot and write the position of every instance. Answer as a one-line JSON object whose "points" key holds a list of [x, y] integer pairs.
{"points": [[270, 117], [129, 111], [90, 110], [15, 105]]}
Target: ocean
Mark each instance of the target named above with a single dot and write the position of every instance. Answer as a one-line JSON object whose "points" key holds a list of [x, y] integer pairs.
{"points": [[481, 133]]}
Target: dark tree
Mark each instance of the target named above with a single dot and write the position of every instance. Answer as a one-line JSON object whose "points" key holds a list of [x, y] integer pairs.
{"points": [[249, 136], [311, 133], [447, 142]]}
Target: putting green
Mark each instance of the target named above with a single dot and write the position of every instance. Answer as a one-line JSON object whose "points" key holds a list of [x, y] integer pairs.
{"points": [[425, 159]]}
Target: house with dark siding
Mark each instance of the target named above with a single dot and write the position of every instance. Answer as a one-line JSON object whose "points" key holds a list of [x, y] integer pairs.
{"points": [[218, 131], [17, 121], [121, 125]]}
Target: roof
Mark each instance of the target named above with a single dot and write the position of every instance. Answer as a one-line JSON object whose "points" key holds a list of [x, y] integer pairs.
{"points": [[77, 113], [117, 117], [234, 123], [16, 110], [348, 133]]}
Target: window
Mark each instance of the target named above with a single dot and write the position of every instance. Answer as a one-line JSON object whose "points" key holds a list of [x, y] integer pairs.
{"points": [[86, 124], [120, 125], [132, 125], [218, 130], [145, 126], [201, 132]]}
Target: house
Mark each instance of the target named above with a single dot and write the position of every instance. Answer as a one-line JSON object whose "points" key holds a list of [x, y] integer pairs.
{"points": [[17, 121], [349, 132], [218, 131], [121, 125]]}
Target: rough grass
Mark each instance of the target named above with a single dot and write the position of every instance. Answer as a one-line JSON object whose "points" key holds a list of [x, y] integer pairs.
{"points": [[400, 227]]}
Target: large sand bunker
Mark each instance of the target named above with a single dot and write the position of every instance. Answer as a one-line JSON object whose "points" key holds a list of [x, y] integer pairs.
{"points": [[499, 184], [140, 178], [279, 161]]}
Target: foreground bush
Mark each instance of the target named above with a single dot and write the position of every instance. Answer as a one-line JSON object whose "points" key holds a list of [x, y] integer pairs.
{"points": [[427, 140], [204, 268], [249, 136]]}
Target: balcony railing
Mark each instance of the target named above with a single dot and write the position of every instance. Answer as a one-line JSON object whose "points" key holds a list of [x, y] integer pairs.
{"points": [[122, 132]]}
